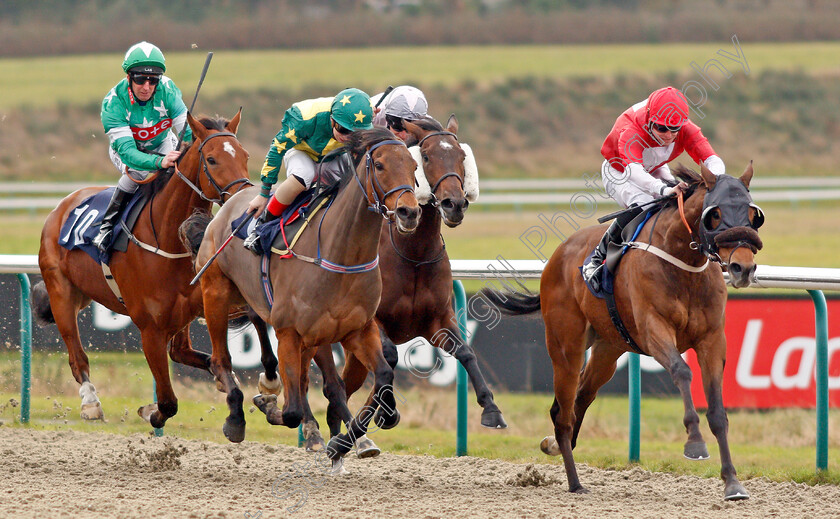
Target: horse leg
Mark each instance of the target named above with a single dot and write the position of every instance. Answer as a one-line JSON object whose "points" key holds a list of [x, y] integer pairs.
{"points": [[564, 329], [290, 360], [662, 347], [334, 390], [182, 352], [311, 432], [65, 303], [217, 292], [354, 375], [269, 385], [711, 357], [598, 371], [366, 345], [154, 342], [450, 338]]}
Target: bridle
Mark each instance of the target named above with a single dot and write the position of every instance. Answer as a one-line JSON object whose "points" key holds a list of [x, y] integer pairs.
{"points": [[434, 201], [221, 192], [378, 204]]}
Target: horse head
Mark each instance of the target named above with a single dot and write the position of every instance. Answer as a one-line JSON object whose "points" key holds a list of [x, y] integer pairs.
{"points": [[443, 171], [727, 223], [215, 158], [385, 172]]}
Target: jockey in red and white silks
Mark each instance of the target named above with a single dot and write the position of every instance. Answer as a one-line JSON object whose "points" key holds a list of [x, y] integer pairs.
{"points": [[643, 141]]}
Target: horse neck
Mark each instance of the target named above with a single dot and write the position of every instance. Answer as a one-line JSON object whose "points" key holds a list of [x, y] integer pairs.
{"points": [[425, 241], [672, 236], [177, 200], [353, 230]]}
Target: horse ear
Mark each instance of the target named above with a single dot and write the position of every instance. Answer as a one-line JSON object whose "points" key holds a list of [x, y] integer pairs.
{"points": [[234, 123], [198, 129], [709, 178], [414, 130], [452, 124], [747, 176]]}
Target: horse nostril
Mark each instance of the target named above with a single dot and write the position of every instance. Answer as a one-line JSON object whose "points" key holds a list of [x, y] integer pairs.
{"points": [[407, 213], [447, 204], [735, 269]]}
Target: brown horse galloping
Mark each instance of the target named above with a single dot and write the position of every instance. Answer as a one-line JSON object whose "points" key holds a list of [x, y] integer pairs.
{"points": [[416, 275], [315, 303], [154, 287], [668, 304]]}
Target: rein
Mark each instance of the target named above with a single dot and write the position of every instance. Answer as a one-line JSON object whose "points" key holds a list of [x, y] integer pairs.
{"points": [[219, 190], [377, 205], [417, 263], [434, 201]]}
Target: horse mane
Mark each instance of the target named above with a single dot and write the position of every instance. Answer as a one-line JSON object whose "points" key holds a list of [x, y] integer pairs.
{"points": [[211, 123], [687, 175], [359, 142]]}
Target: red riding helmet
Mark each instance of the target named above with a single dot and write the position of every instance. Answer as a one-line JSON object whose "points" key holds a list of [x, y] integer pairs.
{"points": [[667, 106]]}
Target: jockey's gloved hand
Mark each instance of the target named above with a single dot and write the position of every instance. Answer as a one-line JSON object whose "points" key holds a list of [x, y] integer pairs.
{"points": [[667, 191]]}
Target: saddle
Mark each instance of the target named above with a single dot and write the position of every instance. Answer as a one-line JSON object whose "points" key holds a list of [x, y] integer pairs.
{"points": [[82, 226], [280, 235]]}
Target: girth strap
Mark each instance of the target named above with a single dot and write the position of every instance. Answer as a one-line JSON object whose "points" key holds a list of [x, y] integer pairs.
{"points": [[109, 278], [615, 317]]}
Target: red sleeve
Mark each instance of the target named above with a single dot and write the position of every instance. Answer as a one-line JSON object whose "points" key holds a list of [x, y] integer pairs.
{"points": [[695, 143]]}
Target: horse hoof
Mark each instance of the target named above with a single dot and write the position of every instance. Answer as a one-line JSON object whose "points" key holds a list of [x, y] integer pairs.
{"points": [[386, 421], [92, 411], [235, 433], [365, 448], [579, 490], [337, 468], [146, 412], [269, 387], [264, 402], [315, 443], [493, 420], [696, 451], [549, 446], [735, 492], [274, 416]]}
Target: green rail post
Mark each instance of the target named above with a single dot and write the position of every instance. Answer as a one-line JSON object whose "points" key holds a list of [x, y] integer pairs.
{"points": [[301, 439], [25, 347], [821, 376], [461, 377], [634, 391]]}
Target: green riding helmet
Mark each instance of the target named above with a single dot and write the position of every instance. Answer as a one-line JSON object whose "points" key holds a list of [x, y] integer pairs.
{"points": [[144, 58], [352, 110]]}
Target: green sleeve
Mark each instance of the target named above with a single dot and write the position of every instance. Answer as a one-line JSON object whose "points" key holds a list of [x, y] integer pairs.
{"points": [[288, 136], [134, 158]]}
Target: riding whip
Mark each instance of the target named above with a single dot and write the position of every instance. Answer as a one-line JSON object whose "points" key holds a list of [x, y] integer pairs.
{"points": [[384, 95], [213, 257], [200, 81], [608, 217]]}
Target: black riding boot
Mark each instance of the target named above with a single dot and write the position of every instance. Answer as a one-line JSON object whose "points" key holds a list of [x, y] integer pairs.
{"points": [[592, 270], [112, 214], [252, 242]]}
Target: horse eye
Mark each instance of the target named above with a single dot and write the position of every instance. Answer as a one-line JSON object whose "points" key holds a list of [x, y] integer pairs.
{"points": [[211, 161], [712, 219], [425, 158], [378, 166]]}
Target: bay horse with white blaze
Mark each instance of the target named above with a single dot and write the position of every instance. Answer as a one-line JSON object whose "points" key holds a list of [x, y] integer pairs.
{"points": [[668, 304], [153, 280], [316, 302]]}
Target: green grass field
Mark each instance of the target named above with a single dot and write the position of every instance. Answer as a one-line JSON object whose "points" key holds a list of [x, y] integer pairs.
{"points": [[779, 445], [36, 82]]}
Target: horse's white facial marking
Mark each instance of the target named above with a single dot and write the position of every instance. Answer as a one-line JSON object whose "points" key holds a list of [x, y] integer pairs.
{"points": [[228, 147], [446, 146]]}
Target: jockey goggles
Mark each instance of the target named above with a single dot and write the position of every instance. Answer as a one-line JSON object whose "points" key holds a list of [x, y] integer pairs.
{"points": [[661, 128], [141, 79]]}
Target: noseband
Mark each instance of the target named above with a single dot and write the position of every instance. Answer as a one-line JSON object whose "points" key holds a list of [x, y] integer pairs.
{"points": [[378, 204], [221, 192], [434, 201]]}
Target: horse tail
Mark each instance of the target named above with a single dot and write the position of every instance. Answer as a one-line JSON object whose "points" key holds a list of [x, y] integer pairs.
{"points": [[191, 232], [513, 303], [41, 309]]}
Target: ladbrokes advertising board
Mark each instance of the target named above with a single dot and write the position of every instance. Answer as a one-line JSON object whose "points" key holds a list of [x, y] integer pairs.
{"points": [[771, 354]]}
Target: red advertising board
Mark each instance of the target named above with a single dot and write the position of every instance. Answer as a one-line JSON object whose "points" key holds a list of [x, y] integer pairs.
{"points": [[771, 352]]}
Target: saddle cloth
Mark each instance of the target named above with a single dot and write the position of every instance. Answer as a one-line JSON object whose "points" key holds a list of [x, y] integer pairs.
{"points": [[82, 225], [280, 235], [615, 251]]}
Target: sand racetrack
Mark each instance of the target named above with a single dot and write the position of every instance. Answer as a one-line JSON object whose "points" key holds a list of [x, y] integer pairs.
{"points": [[70, 474]]}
